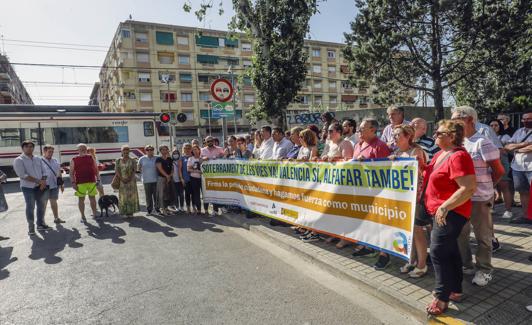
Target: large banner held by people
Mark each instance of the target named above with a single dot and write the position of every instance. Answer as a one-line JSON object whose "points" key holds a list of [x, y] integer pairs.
{"points": [[371, 202]]}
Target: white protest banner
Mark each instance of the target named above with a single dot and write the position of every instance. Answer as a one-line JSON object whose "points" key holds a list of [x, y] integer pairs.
{"points": [[372, 202]]}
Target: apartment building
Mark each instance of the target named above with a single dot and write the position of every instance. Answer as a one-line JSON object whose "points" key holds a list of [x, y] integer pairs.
{"points": [[141, 55], [12, 91]]}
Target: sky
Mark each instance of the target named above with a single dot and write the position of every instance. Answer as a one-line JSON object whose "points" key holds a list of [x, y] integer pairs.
{"points": [[27, 27]]}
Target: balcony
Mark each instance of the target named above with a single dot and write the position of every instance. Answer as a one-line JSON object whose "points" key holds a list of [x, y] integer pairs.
{"points": [[4, 76]]}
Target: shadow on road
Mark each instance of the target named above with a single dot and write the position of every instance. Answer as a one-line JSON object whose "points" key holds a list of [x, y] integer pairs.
{"points": [[104, 231], [150, 226], [192, 222], [5, 260], [53, 242]]}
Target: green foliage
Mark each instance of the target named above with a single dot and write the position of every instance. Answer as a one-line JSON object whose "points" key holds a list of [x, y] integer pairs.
{"points": [[395, 44], [277, 29]]}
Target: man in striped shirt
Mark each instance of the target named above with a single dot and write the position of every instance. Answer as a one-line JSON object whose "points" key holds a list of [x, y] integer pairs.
{"points": [[488, 171], [427, 144]]}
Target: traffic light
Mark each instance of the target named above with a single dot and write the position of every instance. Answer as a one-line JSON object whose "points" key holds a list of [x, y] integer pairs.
{"points": [[181, 117], [164, 117]]}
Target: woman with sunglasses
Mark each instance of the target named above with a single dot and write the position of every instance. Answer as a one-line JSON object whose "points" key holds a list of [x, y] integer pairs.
{"points": [[449, 182], [194, 169], [128, 197], [503, 186]]}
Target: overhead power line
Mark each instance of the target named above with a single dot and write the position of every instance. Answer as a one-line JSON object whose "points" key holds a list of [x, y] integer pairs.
{"points": [[53, 43]]}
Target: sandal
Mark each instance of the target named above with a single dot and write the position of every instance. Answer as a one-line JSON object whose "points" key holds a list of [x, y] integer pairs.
{"points": [[454, 296], [407, 268], [418, 273], [434, 309]]}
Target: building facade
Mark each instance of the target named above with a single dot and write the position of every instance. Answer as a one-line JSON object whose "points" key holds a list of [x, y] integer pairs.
{"points": [[132, 78], [12, 91]]}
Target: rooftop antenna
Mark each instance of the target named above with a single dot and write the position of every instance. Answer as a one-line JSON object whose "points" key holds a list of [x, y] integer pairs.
{"points": [[130, 17]]}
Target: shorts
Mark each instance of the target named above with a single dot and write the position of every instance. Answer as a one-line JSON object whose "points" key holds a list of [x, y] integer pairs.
{"points": [[86, 189], [53, 193], [522, 180]]}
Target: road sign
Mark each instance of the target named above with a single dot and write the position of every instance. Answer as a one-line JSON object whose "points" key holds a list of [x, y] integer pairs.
{"points": [[220, 110], [222, 90]]}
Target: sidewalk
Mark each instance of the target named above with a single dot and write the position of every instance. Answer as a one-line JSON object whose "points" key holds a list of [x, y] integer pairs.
{"points": [[503, 301]]}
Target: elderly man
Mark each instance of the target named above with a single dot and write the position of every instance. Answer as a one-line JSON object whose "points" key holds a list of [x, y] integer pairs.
{"points": [[211, 151], [349, 127], [30, 170], [148, 171], [84, 176], [281, 145], [505, 120], [371, 147], [396, 115], [521, 146], [427, 144], [266, 148], [294, 137], [488, 171]]}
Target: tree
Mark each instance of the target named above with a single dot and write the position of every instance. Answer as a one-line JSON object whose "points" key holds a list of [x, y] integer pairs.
{"points": [[395, 44], [277, 29]]}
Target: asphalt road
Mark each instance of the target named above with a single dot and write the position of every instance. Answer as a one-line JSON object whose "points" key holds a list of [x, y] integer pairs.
{"points": [[154, 270]]}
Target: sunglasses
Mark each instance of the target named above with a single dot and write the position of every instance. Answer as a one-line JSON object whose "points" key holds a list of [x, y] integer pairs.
{"points": [[149, 149], [438, 134], [330, 131]]}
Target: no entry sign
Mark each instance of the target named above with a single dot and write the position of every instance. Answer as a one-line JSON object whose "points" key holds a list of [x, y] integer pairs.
{"points": [[221, 90]]}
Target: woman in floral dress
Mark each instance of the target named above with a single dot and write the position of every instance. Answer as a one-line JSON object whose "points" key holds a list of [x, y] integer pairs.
{"points": [[128, 197]]}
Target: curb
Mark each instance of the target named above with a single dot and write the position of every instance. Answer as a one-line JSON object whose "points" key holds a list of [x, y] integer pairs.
{"points": [[374, 288]]}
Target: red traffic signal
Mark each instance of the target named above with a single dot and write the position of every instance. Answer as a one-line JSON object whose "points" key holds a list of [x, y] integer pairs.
{"points": [[164, 117]]}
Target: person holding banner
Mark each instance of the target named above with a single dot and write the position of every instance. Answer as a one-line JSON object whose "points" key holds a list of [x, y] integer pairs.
{"points": [[309, 145], [338, 147], [242, 150], [281, 146], [211, 151], [371, 147], [449, 183], [194, 169], [266, 147], [407, 148], [294, 137]]}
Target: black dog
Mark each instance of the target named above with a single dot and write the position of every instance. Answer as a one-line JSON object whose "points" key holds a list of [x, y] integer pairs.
{"points": [[107, 201]]}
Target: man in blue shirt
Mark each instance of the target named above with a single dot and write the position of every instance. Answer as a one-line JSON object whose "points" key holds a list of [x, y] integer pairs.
{"points": [[148, 172]]}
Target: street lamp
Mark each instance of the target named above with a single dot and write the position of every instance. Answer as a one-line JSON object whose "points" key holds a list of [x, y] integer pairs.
{"points": [[165, 78], [230, 71]]}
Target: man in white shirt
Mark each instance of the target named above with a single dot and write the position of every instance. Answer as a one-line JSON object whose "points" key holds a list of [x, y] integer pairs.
{"points": [[266, 147], [349, 127], [521, 146], [282, 145], [488, 171], [396, 115]]}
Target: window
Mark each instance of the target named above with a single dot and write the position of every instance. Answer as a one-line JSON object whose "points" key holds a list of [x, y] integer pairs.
{"points": [[363, 100], [189, 115], [302, 99], [316, 53], [184, 59], [247, 81], [182, 40], [105, 134], [317, 84], [163, 76], [10, 138], [233, 62], [129, 94], [143, 57], [164, 38], [331, 69], [149, 129], [204, 96], [332, 84], [168, 96], [333, 100], [331, 54], [249, 98], [185, 77], [246, 47], [207, 59], [166, 58], [124, 55], [316, 68], [207, 41], [346, 84], [318, 99], [203, 78], [141, 37], [186, 97], [144, 77], [246, 63], [229, 42], [125, 33], [145, 97]]}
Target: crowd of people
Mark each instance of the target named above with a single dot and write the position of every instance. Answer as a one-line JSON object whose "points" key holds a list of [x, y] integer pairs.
{"points": [[464, 169]]}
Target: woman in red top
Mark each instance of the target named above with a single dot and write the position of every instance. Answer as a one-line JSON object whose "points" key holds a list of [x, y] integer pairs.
{"points": [[450, 182]]}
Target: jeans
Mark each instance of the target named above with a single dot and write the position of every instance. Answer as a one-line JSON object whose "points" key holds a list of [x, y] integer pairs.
{"points": [[445, 256], [483, 229], [165, 193], [180, 198], [150, 189], [188, 193], [35, 198], [195, 184]]}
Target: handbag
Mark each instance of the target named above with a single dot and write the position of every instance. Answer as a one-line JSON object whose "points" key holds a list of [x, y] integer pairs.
{"points": [[59, 179], [115, 183]]}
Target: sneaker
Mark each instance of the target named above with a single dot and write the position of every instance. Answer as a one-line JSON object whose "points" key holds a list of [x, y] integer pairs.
{"points": [[521, 221], [305, 234], [468, 270], [407, 268], [43, 227], [507, 215], [365, 252], [382, 262], [311, 238], [529, 308], [495, 246], [418, 273], [481, 279], [31, 231]]}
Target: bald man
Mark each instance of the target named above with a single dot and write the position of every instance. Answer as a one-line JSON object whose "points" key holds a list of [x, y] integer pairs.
{"points": [[427, 144]]}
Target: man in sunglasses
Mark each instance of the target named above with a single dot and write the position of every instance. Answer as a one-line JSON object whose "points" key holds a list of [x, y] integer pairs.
{"points": [[148, 172], [211, 151]]}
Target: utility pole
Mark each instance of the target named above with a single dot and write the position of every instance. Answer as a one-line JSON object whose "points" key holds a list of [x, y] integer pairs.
{"points": [[166, 78], [234, 95]]}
